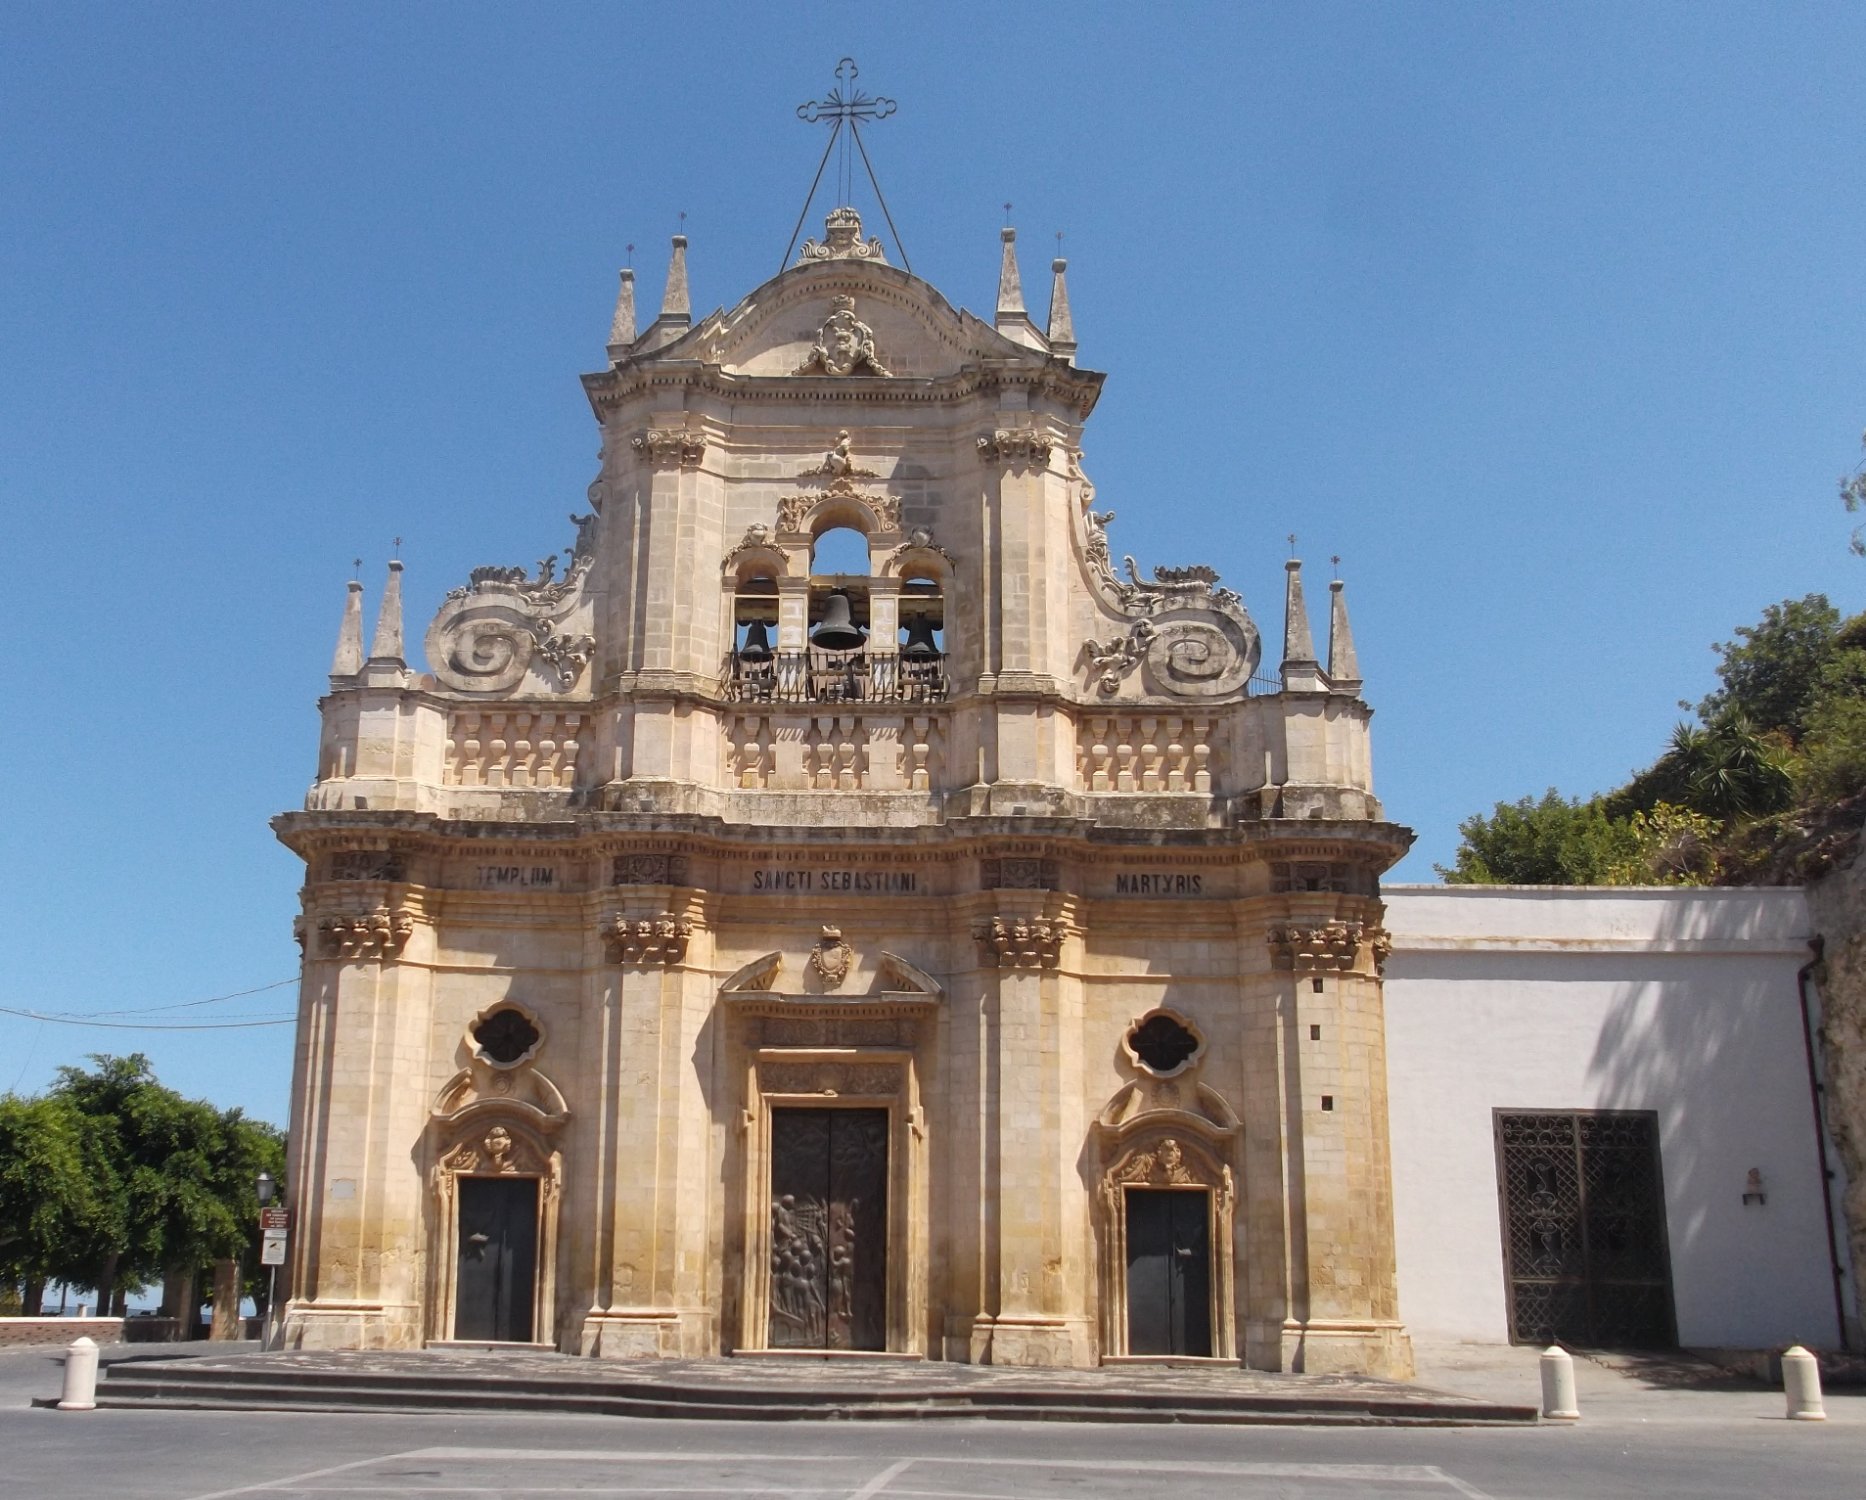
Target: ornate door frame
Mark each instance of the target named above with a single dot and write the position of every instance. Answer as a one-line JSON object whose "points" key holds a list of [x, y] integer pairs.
{"points": [[492, 1144], [838, 1078], [818, 1051], [1165, 1154]]}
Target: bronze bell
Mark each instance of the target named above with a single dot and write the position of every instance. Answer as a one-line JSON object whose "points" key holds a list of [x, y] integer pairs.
{"points": [[920, 643], [757, 645], [836, 631]]}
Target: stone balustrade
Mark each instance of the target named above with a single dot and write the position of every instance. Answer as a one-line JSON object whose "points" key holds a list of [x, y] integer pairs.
{"points": [[855, 750], [510, 747], [1145, 752]]}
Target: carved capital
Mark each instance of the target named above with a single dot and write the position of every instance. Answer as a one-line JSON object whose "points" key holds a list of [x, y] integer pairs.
{"points": [[1022, 942], [1018, 447], [647, 940], [666, 446], [1314, 948], [381, 933]]}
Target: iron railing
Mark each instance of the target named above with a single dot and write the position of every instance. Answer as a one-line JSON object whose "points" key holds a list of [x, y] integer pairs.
{"points": [[817, 676]]}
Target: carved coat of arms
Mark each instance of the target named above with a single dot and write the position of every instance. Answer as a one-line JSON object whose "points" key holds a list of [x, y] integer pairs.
{"points": [[844, 344]]}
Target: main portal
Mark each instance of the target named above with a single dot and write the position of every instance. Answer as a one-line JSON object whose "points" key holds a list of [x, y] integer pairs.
{"points": [[829, 1229]]}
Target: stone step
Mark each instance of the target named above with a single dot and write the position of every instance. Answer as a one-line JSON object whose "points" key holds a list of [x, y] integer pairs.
{"points": [[260, 1385]]}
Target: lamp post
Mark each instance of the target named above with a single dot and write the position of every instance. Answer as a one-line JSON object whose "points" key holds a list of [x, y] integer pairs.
{"points": [[263, 1188]]}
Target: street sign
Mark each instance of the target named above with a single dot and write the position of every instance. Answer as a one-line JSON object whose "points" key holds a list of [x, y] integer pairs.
{"points": [[272, 1247], [275, 1218]]}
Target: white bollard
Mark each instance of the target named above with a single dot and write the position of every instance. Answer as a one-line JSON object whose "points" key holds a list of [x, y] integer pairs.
{"points": [[1558, 1403], [80, 1377], [1801, 1383]]}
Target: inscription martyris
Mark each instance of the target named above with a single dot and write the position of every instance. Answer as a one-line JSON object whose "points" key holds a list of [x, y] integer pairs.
{"points": [[1159, 883]]}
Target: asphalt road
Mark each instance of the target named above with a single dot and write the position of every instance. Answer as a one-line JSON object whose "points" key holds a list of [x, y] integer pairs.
{"points": [[1683, 1446]]}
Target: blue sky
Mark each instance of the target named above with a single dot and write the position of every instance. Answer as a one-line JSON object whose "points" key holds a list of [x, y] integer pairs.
{"points": [[1548, 320]]}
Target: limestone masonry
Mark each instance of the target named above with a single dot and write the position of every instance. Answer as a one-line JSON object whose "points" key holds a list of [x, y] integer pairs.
{"points": [[973, 953]]}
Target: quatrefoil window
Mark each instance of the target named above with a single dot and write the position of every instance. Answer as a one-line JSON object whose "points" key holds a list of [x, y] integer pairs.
{"points": [[506, 1037], [1163, 1044]]}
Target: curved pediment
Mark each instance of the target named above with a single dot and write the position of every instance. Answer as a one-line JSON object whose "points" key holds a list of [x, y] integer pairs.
{"points": [[846, 320]]}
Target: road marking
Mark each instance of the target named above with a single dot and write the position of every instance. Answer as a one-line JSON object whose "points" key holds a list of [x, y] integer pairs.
{"points": [[880, 1482], [1400, 1474], [1469, 1491], [274, 1484]]}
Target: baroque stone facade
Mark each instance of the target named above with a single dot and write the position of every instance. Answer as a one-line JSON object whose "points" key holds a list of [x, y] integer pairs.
{"points": [[976, 956]]}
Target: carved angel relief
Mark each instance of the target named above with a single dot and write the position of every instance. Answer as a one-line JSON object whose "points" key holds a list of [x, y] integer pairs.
{"points": [[844, 345], [488, 635]]}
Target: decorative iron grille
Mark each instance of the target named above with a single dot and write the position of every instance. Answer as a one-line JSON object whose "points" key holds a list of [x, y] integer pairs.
{"points": [[1584, 1244], [817, 676]]}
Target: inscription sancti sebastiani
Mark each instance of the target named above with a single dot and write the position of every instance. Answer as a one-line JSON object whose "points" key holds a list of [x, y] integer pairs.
{"points": [[833, 878]]}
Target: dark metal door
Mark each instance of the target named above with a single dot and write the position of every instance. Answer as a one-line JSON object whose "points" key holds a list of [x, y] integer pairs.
{"points": [[497, 1279], [829, 1229], [1169, 1271], [1584, 1229]]}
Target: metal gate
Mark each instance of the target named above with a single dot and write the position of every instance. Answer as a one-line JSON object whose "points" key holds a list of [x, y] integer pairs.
{"points": [[1584, 1245]]}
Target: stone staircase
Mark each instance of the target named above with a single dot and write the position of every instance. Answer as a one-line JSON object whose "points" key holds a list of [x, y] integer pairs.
{"points": [[804, 1389]]}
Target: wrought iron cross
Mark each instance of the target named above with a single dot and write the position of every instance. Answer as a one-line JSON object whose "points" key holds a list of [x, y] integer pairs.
{"points": [[852, 107], [846, 105]]}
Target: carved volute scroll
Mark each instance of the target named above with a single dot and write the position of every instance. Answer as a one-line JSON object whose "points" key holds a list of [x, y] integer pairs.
{"points": [[491, 634], [1180, 635]]}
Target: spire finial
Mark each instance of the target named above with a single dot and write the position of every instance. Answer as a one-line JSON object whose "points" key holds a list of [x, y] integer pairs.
{"points": [[348, 660], [1344, 668], [387, 645], [1062, 327], [1010, 284], [622, 325], [676, 306], [1300, 668]]}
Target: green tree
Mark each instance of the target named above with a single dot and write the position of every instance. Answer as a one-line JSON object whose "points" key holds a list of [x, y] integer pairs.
{"points": [[1771, 673], [54, 1209], [182, 1172], [1853, 496], [1551, 841]]}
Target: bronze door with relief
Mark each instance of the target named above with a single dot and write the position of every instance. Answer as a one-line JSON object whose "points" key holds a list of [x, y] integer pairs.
{"points": [[829, 1229]]}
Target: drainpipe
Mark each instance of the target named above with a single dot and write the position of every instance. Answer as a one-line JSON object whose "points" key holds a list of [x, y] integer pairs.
{"points": [[1835, 1251]]}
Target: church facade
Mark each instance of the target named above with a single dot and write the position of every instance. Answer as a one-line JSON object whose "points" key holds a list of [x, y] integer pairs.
{"points": [[972, 950]]}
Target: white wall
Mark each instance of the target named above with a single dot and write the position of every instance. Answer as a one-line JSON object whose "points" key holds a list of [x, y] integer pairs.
{"points": [[1678, 1001]]}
